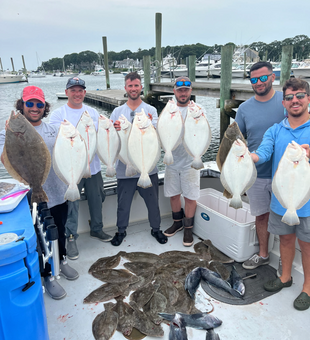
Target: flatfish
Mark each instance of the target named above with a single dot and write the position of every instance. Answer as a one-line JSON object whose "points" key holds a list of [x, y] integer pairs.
{"points": [[157, 304], [138, 267], [105, 292], [144, 279], [238, 172], [26, 156], [203, 251], [170, 129], [107, 262], [140, 257], [105, 323], [167, 289], [181, 254], [197, 134], [109, 144], [86, 128], [123, 154], [143, 295], [143, 147], [70, 158], [217, 255], [144, 324], [125, 316], [231, 134], [115, 276], [291, 182]]}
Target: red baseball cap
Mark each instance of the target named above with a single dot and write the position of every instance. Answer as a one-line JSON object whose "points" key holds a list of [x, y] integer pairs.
{"points": [[33, 92]]}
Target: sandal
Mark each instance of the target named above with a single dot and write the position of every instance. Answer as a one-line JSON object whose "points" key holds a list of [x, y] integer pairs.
{"points": [[276, 285], [302, 302]]}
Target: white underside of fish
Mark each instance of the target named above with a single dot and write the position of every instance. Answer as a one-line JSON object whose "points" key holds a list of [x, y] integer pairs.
{"points": [[291, 183], [238, 173]]}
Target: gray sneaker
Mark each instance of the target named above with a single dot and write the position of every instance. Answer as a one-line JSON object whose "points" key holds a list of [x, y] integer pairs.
{"points": [[279, 271], [68, 272], [100, 235], [53, 288], [254, 262], [72, 250]]}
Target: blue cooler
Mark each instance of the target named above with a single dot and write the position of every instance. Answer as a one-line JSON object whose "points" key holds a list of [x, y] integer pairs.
{"points": [[22, 310]]}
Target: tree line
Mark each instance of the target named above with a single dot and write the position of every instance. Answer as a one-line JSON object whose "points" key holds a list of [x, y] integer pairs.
{"points": [[86, 60]]}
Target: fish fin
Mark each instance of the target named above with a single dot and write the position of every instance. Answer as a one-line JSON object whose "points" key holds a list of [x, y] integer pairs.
{"points": [[110, 172], [144, 181], [197, 163], [130, 170], [168, 158], [38, 195], [87, 173], [252, 180], [227, 194], [72, 194], [236, 202], [290, 217]]}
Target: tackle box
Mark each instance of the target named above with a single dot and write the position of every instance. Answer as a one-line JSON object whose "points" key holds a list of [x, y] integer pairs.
{"points": [[230, 230]]}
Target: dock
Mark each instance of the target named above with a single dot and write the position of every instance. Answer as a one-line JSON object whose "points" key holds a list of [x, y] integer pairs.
{"points": [[106, 98]]}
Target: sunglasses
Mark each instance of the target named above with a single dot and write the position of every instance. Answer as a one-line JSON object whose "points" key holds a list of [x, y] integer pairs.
{"points": [[76, 81], [183, 83], [299, 95], [263, 79], [31, 104], [132, 115]]}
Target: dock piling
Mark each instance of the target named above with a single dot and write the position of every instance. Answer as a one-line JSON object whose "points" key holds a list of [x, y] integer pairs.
{"points": [[286, 63], [147, 73], [106, 62], [158, 23]]}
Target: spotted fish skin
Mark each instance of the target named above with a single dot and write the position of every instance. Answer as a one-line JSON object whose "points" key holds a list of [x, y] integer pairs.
{"points": [[104, 325]]}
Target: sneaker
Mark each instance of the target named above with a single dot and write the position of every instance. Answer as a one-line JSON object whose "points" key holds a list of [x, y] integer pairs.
{"points": [[100, 235], [188, 239], [72, 250], [255, 261], [118, 239], [68, 272], [53, 288], [279, 271], [177, 226], [160, 237]]}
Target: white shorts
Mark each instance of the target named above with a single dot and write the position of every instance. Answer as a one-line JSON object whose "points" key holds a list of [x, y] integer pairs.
{"points": [[185, 182], [260, 196]]}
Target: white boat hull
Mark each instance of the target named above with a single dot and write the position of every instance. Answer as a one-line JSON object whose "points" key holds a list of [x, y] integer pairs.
{"points": [[10, 78]]}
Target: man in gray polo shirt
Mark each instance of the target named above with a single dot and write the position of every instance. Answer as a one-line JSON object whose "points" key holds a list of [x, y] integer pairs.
{"points": [[254, 117]]}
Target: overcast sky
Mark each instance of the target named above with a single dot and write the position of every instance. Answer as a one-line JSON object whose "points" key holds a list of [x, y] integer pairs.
{"points": [[53, 28]]}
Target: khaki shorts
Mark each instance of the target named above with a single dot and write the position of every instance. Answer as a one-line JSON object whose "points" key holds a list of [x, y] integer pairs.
{"points": [[185, 182], [260, 196], [277, 227]]}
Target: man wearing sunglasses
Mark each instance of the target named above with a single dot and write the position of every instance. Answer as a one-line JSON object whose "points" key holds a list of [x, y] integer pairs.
{"points": [[127, 186], [93, 186], [254, 117], [33, 106], [296, 98], [180, 177]]}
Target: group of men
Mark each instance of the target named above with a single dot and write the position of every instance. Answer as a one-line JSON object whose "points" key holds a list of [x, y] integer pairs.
{"points": [[263, 112]]}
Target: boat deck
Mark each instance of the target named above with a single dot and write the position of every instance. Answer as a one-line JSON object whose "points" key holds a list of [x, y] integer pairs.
{"points": [[272, 318]]}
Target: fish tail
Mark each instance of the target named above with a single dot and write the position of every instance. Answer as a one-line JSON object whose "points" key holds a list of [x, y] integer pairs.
{"points": [[290, 218], [87, 173], [144, 181], [236, 202], [38, 196], [168, 158], [197, 163], [110, 171], [72, 194], [130, 170]]}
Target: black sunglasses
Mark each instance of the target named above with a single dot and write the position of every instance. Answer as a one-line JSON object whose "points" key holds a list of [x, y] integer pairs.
{"points": [[31, 104], [299, 95], [263, 79]]}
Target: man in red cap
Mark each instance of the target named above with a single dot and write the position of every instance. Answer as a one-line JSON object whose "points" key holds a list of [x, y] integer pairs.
{"points": [[34, 107]]}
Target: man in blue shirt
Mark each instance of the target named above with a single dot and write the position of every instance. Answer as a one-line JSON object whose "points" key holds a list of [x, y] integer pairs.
{"points": [[296, 98]]}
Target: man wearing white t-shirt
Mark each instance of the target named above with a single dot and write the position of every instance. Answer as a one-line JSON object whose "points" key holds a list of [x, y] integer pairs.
{"points": [[72, 111], [180, 177]]}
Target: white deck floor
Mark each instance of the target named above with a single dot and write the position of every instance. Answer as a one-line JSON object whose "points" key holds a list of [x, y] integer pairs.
{"points": [[273, 318]]}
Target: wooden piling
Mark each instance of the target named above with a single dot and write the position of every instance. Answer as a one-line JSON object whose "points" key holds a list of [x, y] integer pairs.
{"points": [[147, 73], [286, 63], [226, 67], [24, 70], [192, 68], [1, 65], [158, 22], [106, 62], [12, 65]]}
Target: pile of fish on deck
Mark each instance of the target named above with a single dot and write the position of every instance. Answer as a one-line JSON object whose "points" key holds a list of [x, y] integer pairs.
{"points": [[161, 288], [290, 184]]}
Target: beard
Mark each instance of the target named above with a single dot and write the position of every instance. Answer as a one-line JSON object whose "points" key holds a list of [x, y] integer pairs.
{"points": [[135, 97], [267, 89]]}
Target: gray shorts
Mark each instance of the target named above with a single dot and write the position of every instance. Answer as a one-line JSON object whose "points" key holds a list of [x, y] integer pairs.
{"points": [[260, 196], [277, 227]]}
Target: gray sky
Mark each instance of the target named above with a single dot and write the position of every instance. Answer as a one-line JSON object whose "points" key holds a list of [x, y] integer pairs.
{"points": [[53, 28]]}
